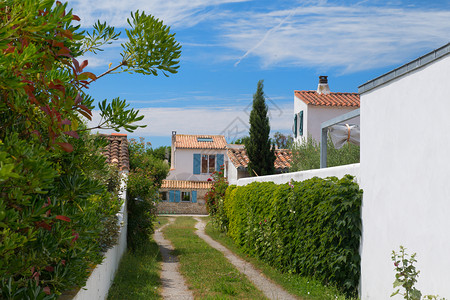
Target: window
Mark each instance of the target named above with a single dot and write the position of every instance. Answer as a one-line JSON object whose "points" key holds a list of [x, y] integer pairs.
{"points": [[208, 163], [163, 196], [185, 196], [205, 139]]}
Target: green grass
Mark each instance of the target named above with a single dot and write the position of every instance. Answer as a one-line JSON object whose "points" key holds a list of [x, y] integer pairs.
{"points": [[138, 274], [207, 271], [305, 288]]}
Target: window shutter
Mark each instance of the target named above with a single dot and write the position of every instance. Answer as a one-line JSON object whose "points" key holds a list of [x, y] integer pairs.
{"points": [[171, 196], [295, 125], [197, 158], [219, 161], [301, 123], [177, 196], [194, 196]]}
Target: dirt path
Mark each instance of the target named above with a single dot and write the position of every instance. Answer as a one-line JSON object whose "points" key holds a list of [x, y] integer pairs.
{"points": [[270, 289], [173, 283]]}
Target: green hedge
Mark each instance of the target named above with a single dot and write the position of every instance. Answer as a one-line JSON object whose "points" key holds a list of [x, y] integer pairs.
{"points": [[312, 228]]}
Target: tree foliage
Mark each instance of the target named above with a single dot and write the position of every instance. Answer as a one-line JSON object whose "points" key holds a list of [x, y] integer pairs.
{"points": [[283, 141], [259, 148], [58, 197], [146, 175]]}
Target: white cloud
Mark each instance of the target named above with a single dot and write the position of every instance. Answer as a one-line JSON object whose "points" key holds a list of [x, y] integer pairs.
{"points": [[178, 13], [229, 121], [352, 38]]}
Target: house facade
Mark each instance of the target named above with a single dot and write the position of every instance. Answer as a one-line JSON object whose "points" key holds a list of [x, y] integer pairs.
{"points": [[194, 159], [312, 108]]}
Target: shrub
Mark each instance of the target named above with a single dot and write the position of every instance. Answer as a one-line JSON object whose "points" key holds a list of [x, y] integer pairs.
{"points": [[144, 179], [215, 200], [312, 228]]}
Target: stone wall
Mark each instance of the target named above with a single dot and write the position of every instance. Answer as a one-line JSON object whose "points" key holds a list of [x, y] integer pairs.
{"points": [[198, 208]]}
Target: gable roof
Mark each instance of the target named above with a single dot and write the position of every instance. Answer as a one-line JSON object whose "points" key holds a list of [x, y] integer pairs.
{"points": [[331, 99], [239, 158], [116, 151], [193, 141], [186, 184]]}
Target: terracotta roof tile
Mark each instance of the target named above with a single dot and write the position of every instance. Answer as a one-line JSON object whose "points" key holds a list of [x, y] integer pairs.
{"points": [[332, 99], [184, 184], [195, 141], [116, 151], [239, 158]]}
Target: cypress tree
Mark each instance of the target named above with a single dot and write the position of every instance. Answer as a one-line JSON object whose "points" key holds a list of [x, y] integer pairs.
{"points": [[259, 149]]}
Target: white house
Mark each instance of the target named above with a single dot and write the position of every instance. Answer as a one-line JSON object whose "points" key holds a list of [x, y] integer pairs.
{"points": [[312, 108], [194, 159], [405, 172]]}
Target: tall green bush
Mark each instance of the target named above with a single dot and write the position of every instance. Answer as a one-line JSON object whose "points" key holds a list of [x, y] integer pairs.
{"points": [[144, 179], [312, 227]]}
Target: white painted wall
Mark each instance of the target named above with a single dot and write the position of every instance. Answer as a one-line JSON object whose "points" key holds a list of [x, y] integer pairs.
{"points": [[405, 175], [299, 105], [232, 174], [102, 276], [319, 114], [339, 172], [184, 164]]}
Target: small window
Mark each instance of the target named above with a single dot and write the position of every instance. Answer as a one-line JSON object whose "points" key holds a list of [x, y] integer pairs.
{"points": [[163, 196], [185, 196], [205, 139]]}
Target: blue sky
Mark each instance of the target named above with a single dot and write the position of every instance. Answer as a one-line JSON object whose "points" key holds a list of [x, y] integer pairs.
{"points": [[228, 45]]}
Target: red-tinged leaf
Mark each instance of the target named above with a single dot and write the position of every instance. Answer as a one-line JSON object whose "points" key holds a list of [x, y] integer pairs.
{"points": [[67, 33], [64, 51], [77, 65], [86, 75], [78, 99], [46, 109], [66, 147], [49, 268], [76, 18], [83, 64], [57, 87], [58, 2], [72, 133], [63, 262], [63, 218], [44, 225], [75, 236], [66, 122], [85, 114], [84, 107], [46, 290]]}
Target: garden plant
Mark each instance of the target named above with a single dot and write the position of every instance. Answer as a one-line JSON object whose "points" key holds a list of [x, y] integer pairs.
{"points": [[58, 197]]}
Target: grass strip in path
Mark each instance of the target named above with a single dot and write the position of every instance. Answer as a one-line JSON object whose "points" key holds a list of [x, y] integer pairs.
{"points": [[206, 270], [305, 288], [138, 274]]}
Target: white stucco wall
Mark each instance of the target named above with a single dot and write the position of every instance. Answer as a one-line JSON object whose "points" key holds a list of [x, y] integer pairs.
{"points": [[319, 114], [405, 173], [299, 105], [184, 164], [102, 276], [339, 172]]}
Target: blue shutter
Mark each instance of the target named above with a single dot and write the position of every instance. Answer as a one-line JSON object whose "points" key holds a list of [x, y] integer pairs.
{"points": [[194, 196], [197, 158], [171, 196], [219, 161], [301, 123], [177, 196], [295, 126]]}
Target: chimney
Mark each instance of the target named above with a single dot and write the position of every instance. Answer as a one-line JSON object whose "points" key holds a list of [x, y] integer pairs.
{"points": [[323, 87]]}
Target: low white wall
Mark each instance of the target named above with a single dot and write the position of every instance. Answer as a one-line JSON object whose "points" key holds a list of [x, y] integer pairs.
{"points": [[102, 276], [339, 172]]}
